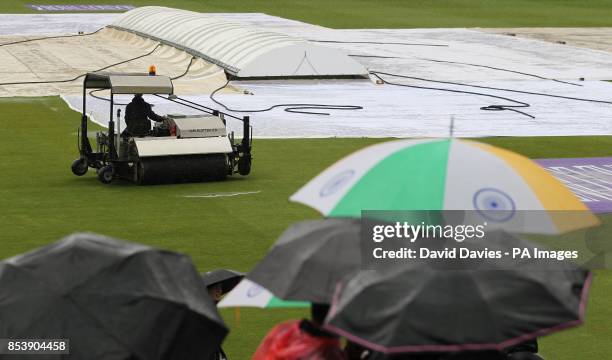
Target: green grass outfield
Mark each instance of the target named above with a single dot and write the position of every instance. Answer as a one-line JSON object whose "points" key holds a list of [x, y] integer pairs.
{"points": [[42, 201], [391, 13]]}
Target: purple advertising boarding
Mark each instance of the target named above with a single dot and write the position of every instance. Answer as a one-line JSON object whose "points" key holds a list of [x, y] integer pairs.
{"points": [[589, 178], [80, 7]]}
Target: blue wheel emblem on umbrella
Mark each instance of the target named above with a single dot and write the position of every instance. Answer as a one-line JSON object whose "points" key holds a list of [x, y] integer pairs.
{"points": [[335, 183], [254, 291], [494, 204]]}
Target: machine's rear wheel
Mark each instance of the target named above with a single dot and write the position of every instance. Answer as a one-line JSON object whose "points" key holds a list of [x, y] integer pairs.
{"points": [[79, 167], [244, 165], [106, 174]]}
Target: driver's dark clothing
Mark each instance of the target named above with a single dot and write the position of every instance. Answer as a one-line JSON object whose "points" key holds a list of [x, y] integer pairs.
{"points": [[137, 115]]}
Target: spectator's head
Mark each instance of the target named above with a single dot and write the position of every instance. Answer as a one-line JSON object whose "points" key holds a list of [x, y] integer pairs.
{"points": [[137, 96], [219, 282], [318, 313], [215, 291]]}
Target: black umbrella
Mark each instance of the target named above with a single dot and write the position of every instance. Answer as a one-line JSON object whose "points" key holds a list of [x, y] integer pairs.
{"points": [[432, 306], [111, 299], [309, 259], [228, 279]]}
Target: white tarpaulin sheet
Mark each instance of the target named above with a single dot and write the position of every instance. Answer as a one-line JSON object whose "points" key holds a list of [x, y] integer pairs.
{"points": [[403, 112], [460, 45], [46, 24], [394, 111], [49, 65]]}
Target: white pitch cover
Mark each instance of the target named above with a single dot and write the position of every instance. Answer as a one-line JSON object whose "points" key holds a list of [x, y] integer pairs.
{"points": [[241, 49]]}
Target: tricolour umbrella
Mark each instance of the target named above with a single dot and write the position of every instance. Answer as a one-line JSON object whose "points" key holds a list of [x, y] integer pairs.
{"points": [[432, 305], [446, 174], [111, 299], [250, 294], [309, 259]]}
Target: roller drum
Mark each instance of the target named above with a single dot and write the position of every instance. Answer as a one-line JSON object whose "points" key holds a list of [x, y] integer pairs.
{"points": [[181, 169]]}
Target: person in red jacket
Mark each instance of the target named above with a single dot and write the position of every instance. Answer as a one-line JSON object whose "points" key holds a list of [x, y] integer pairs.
{"points": [[301, 340]]}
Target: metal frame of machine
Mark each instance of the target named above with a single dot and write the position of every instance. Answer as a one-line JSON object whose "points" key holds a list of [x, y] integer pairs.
{"points": [[188, 159]]}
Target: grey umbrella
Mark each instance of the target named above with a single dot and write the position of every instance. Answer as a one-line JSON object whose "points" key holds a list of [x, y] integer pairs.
{"points": [[309, 258], [433, 306], [111, 299], [228, 279]]}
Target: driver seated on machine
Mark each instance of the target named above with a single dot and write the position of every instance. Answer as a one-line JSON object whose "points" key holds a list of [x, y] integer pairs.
{"points": [[137, 115]]}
